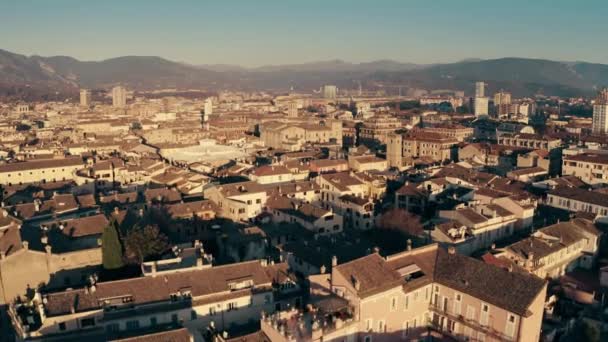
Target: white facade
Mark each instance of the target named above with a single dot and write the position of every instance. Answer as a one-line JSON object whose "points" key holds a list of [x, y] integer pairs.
{"points": [[481, 106], [85, 97], [119, 97], [480, 89], [600, 121]]}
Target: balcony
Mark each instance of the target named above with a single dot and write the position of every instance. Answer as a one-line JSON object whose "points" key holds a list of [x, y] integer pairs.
{"points": [[471, 323]]}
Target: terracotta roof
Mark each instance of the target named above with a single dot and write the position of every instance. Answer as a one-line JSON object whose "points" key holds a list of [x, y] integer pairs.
{"points": [[270, 170], [178, 335], [143, 290], [511, 291], [41, 164], [84, 226], [10, 240]]}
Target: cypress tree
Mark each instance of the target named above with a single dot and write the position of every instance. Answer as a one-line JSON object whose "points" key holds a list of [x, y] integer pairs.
{"points": [[111, 248]]}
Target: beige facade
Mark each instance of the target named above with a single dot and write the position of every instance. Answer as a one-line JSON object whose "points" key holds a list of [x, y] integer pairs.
{"points": [[418, 144], [47, 170], [238, 201], [590, 168], [403, 296]]}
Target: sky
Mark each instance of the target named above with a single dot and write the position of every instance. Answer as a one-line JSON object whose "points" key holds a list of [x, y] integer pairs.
{"points": [[261, 32]]}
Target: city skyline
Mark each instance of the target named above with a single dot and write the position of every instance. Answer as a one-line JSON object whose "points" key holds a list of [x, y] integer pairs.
{"points": [[277, 33]]}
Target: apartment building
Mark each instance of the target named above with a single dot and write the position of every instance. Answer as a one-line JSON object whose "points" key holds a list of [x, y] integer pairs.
{"points": [[367, 163], [552, 251], [238, 201], [591, 168], [401, 296], [40, 171], [577, 199], [378, 128], [485, 224], [316, 219], [269, 174], [192, 297], [292, 137], [456, 131], [419, 144]]}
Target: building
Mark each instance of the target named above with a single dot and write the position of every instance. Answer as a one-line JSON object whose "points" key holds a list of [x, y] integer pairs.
{"points": [[402, 148], [577, 199], [85, 97], [292, 109], [42, 170], [407, 295], [292, 137], [192, 297], [481, 106], [460, 132], [552, 251], [600, 113], [528, 140], [119, 97], [502, 102], [591, 168], [238, 201], [208, 110], [480, 89], [377, 129], [502, 98], [329, 92]]}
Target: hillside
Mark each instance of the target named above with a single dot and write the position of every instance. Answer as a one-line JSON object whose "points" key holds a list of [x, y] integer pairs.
{"points": [[522, 76]]}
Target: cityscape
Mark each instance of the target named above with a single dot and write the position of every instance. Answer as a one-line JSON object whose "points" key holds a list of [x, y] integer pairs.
{"points": [[245, 183]]}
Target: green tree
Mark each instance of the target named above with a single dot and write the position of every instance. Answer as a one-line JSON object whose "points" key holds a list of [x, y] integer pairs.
{"points": [[111, 248], [142, 243]]}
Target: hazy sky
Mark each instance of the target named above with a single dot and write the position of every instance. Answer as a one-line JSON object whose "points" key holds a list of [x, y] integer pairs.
{"points": [[257, 32]]}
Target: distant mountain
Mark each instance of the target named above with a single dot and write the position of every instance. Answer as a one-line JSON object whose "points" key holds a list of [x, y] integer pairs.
{"points": [[21, 74]]}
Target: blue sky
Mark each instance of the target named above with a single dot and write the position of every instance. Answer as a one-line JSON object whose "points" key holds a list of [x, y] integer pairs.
{"points": [[259, 32]]}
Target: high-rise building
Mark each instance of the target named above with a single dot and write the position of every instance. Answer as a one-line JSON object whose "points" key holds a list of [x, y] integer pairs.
{"points": [[481, 106], [600, 113], [119, 97], [502, 102], [330, 91], [502, 98], [480, 89], [85, 97], [208, 107]]}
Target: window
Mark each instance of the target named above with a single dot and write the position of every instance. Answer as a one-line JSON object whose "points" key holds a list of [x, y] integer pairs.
{"points": [[381, 326], [393, 303], [407, 302], [174, 318], [131, 325], [258, 201], [87, 322], [62, 326], [232, 306], [153, 321], [369, 324], [367, 339], [406, 329], [212, 311], [193, 315], [112, 327]]}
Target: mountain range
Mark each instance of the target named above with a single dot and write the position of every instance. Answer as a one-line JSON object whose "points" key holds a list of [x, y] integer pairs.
{"points": [[21, 76]]}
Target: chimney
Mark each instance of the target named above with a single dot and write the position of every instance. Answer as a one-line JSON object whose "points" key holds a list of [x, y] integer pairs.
{"points": [[25, 245], [493, 246], [409, 244], [376, 249], [37, 205], [48, 249], [154, 269], [115, 210], [452, 250], [323, 269], [334, 261], [44, 239]]}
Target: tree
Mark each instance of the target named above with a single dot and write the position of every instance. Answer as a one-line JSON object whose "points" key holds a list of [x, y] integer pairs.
{"points": [[402, 221], [111, 249], [142, 243]]}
